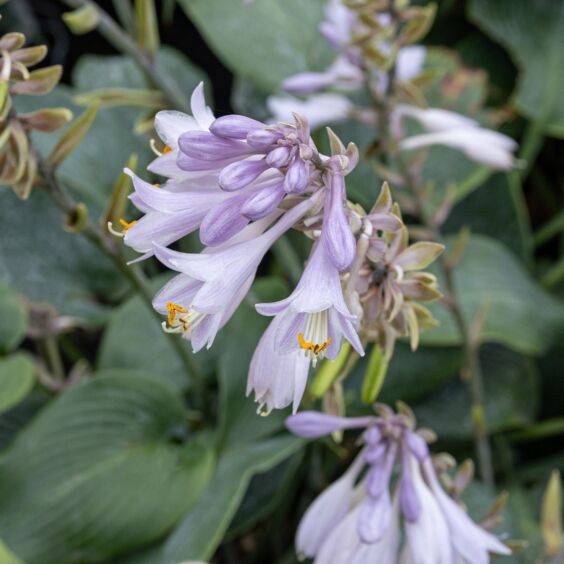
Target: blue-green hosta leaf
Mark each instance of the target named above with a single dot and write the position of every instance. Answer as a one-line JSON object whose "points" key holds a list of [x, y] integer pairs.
{"points": [[265, 41], [17, 376], [490, 279], [134, 339], [51, 266], [511, 391], [494, 209], [13, 318], [532, 32], [201, 531], [100, 472]]}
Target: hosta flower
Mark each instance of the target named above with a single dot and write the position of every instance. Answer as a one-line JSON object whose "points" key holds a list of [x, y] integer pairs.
{"points": [[308, 325], [484, 146], [361, 516], [212, 284], [450, 129]]}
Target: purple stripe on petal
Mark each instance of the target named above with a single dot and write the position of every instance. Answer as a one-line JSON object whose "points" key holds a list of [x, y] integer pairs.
{"points": [[263, 202], [240, 174], [337, 235], [312, 424], [235, 126], [374, 454], [205, 146], [188, 164], [417, 445], [374, 518], [263, 138], [223, 222], [297, 177], [279, 157], [409, 502]]}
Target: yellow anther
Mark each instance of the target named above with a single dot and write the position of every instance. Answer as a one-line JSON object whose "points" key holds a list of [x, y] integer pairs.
{"points": [[126, 225], [173, 309], [166, 149], [156, 185], [313, 347]]}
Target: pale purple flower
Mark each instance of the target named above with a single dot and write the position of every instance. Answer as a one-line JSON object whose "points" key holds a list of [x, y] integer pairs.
{"points": [[318, 109], [212, 284], [484, 146], [314, 319], [357, 519]]}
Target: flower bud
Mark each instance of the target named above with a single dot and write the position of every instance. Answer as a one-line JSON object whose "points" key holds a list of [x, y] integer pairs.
{"points": [[240, 174], [235, 126]]}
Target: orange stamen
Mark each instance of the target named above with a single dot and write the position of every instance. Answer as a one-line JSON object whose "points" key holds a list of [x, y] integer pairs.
{"points": [[126, 225], [166, 149], [315, 348], [173, 309]]}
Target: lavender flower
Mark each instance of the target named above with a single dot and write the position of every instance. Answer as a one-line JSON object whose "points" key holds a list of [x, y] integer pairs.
{"points": [[450, 129], [357, 519]]}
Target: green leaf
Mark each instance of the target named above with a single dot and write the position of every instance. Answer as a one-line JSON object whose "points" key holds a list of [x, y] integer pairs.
{"points": [[519, 314], [17, 376], [265, 41], [134, 339], [532, 32], [414, 375], [511, 392], [7, 556], [99, 472], [202, 530], [493, 210], [49, 265], [13, 318]]}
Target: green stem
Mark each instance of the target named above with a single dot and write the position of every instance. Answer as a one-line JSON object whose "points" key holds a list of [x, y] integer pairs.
{"points": [[53, 355], [384, 107], [119, 38], [135, 277]]}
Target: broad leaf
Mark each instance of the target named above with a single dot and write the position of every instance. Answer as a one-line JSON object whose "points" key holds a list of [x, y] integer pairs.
{"points": [[203, 528], [511, 392], [532, 32], [99, 472], [134, 339], [490, 280], [49, 265], [265, 41], [17, 376]]}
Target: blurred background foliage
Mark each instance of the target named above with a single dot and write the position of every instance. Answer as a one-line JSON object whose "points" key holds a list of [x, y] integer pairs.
{"points": [[108, 454]]}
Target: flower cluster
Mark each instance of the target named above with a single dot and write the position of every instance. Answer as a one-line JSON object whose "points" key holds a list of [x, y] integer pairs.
{"points": [[243, 184], [18, 163], [369, 41], [359, 518]]}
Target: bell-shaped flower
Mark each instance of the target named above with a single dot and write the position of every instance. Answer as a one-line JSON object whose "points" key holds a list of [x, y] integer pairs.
{"points": [[217, 281], [357, 519], [483, 146], [315, 317]]}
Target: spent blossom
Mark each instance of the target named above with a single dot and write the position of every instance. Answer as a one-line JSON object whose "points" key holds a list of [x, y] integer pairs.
{"points": [[389, 506]]}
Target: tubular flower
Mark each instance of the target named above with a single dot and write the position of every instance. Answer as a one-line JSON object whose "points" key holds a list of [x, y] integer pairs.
{"points": [[357, 519], [312, 322]]}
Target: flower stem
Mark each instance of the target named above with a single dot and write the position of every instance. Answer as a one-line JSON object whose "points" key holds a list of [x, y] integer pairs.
{"points": [[472, 373], [135, 276], [123, 42]]}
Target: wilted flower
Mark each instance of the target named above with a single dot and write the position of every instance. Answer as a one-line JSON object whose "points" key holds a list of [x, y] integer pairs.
{"points": [[389, 282], [18, 162], [358, 518]]}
